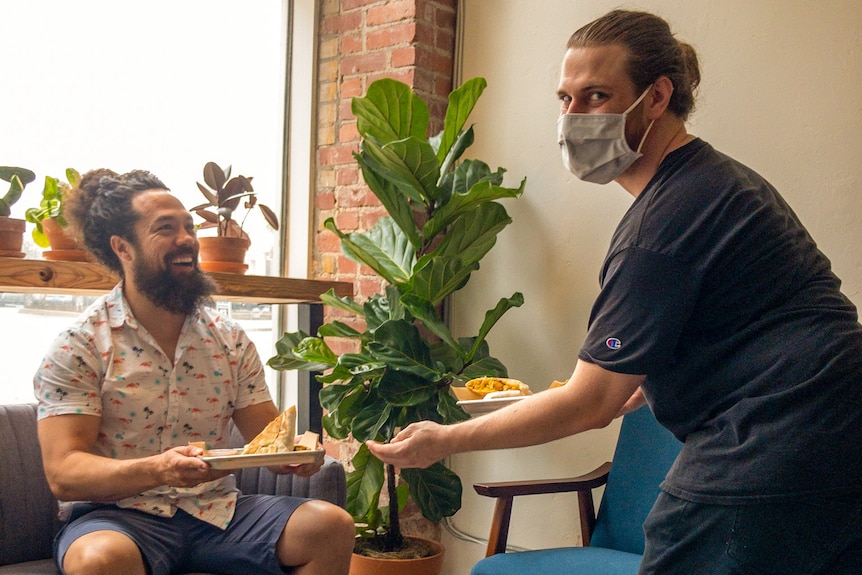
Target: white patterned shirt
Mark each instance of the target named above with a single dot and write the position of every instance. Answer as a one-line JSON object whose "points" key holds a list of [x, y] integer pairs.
{"points": [[106, 364]]}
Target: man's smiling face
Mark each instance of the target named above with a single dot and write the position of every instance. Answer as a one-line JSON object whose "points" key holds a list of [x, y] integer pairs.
{"points": [[165, 267]]}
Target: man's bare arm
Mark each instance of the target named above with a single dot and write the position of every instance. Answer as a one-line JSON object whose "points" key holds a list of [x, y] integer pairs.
{"points": [[252, 419], [591, 399], [76, 474]]}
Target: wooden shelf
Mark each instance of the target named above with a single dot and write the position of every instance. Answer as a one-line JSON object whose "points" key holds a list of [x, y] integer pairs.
{"points": [[80, 278]]}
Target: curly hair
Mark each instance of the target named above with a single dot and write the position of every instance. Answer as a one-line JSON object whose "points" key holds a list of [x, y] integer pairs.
{"points": [[100, 206], [653, 51]]}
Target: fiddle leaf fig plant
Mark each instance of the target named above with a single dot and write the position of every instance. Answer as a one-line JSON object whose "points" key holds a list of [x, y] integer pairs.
{"points": [[443, 216], [18, 179]]}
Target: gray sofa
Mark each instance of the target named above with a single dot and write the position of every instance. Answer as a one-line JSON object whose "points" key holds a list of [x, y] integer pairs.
{"points": [[28, 509]]}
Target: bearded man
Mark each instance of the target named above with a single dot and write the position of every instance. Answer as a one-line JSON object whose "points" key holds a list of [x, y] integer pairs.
{"points": [[145, 370]]}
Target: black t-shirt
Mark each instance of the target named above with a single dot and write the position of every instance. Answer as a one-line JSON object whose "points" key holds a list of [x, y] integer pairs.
{"points": [[715, 291]]}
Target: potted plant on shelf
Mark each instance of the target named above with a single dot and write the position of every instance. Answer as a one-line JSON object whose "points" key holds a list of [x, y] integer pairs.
{"points": [[226, 251], [50, 224], [442, 218], [12, 229]]}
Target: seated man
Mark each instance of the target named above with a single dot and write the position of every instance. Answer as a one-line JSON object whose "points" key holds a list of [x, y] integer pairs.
{"points": [[144, 371]]}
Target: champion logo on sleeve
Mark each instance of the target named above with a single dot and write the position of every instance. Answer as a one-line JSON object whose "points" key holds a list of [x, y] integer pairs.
{"points": [[613, 343]]}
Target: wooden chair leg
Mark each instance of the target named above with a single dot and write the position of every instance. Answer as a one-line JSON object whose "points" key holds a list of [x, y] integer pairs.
{"points": [[586, 507], [499, 536]]}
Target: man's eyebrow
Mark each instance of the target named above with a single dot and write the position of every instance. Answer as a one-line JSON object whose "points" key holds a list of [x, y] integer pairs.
{"points": [[585, 89], [185, 219]]}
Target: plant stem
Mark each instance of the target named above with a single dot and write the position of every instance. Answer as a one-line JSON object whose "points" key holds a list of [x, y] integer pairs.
{"points": [[394, 538]]}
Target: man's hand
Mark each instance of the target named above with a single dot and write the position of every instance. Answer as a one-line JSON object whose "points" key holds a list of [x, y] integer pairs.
{"points": [[181, 467], [417, 445]]}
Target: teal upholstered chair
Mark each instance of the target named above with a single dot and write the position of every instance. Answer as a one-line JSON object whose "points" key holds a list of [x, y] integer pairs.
{"points": [[613, 540]]}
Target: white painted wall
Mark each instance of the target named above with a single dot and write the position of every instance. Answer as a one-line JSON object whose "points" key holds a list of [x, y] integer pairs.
{"points": [[781, 92]]}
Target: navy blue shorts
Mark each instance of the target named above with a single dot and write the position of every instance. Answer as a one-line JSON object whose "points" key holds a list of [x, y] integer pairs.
{"points": [[805, 536], [183, 544]]}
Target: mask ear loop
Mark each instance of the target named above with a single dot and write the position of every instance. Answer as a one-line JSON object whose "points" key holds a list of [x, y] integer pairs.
{"points": [[641, 145], [632, 107]]}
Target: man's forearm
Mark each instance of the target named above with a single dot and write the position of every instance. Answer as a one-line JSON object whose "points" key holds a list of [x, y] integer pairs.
{"points": [[541, 418], [83, 476]]}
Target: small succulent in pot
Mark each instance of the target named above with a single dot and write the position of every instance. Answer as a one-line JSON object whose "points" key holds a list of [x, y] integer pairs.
{"points": [[18, 178], [224, 195]]}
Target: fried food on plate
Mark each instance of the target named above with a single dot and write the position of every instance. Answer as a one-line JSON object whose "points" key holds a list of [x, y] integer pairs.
{"points": [[495, 387], [277, 437]]}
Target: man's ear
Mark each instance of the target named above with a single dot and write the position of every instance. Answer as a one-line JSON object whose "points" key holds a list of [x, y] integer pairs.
{"points": [[122, 248], [658, 99]]}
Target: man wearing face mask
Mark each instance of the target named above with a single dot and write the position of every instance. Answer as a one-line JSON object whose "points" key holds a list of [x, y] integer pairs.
{"points": [[718, 310]]}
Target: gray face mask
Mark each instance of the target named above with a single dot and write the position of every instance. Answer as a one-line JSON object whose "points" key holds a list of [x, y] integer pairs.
{"points": [[594, 146]]}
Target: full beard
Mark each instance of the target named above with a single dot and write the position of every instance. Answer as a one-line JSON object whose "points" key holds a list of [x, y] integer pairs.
{"points": [[180, 294]]}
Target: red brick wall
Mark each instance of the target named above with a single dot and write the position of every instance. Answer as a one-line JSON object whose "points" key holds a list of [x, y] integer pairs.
{"points": [[361, 41]]}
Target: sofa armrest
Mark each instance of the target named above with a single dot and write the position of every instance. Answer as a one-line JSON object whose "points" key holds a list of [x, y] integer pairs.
{"points": [[28, 510], [506, 491], [328, 484]]}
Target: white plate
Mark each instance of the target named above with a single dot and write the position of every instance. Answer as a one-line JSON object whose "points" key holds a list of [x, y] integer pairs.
{"points": [[480, 406], [264, 459]]}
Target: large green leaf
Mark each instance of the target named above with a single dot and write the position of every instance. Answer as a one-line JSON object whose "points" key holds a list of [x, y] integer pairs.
{"points": [[356, 368], [373, 415], [405, 389], [410, 165], [338, 329], [390, 111], [461, 103], [364, 483], [345, 303], [423, 310], [384, 248], [492, 316], [473, 234], [380, 309], [452, 359], [470, 237], [299, 351], [397, 205], [481, 192], [485, 367], [338, 374], [334, 395], [470, 172], [399, 345], [449, 410], [436, 490], [462, 142], [315, 350], [335, 427], [436, 277]]}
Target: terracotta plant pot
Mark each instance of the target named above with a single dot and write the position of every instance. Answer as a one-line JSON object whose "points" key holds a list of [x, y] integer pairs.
{"points": [[63, 245], [58, 237], [222, 254], [12, 237], [433, 565]]}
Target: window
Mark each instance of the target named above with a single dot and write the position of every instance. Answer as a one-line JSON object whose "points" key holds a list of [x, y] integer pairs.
{"points": [[159, 85]]}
